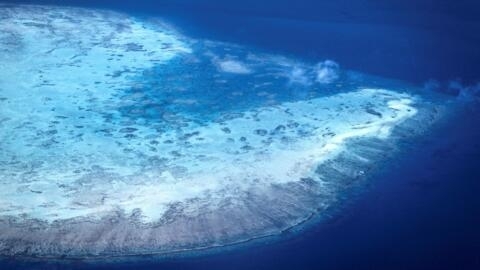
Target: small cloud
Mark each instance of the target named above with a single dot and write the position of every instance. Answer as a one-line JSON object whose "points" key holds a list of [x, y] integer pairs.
{"points": [[454, 88], [327, 71], [470, 93], [450, 88], [298, 75], [324, 72], [233, 66]]}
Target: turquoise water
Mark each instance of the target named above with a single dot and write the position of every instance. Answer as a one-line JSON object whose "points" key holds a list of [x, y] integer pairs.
{"points": [[122, 136]]}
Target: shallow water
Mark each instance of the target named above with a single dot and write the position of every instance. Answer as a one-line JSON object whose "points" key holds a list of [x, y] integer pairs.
{"points": [[122, 136]]}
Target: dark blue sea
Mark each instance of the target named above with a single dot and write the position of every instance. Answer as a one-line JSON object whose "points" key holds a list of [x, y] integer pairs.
{"points": [[421, 208]]}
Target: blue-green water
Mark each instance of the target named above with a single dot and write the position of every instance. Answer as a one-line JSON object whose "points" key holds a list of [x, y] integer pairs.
{"points": [[128, 134]]}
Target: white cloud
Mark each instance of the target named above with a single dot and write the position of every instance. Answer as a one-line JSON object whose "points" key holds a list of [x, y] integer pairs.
{"points": [[456, 88], [233, 66], [298, 75], [327, 71]]}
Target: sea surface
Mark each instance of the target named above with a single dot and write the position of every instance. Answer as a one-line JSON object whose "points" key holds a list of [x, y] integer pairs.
{"points": [[239, 72]]}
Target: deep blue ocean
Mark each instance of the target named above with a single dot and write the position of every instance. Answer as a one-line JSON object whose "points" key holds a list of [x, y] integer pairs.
{"points": [[421, 210]]}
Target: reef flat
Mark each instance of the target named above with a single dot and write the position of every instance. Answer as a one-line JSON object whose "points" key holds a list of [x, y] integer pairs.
{"points": [[120, 136]]}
